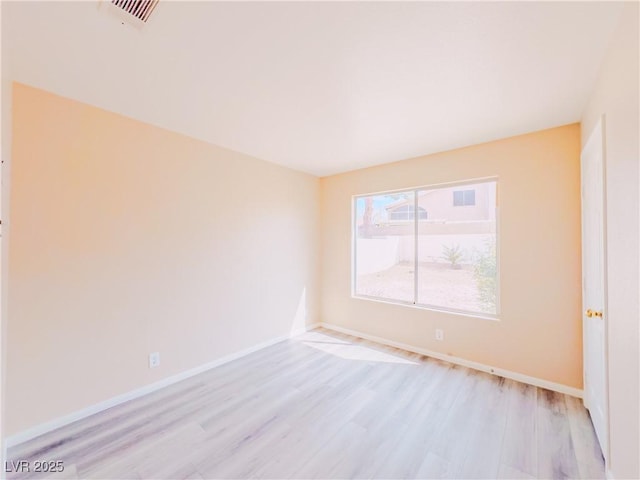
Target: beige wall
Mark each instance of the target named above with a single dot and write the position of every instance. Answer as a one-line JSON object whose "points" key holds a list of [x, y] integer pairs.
{"points": [[616, 97], [539, 332], [128, 239]]}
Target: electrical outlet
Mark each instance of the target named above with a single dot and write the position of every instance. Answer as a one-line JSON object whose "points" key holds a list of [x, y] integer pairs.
{"points": [[439, 334], [154, 359]]}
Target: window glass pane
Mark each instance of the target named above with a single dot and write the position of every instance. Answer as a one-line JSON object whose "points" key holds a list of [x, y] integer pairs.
{"points": [[469, 197], [458, 198], [385, 248], [457, 249]]}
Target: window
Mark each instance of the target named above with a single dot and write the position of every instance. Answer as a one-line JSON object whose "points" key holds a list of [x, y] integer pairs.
{"points": [[464, 197], [445, 259]]}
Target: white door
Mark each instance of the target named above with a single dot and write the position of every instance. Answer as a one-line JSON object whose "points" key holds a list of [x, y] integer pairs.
{"points": [[594, 283]]}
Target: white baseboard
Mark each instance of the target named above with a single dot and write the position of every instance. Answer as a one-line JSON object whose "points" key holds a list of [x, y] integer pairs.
{"points": [[537, 382], [300, 331], [56, 423]]}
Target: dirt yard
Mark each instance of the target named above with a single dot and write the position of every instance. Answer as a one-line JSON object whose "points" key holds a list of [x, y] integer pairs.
{"points": [[438, 285]]}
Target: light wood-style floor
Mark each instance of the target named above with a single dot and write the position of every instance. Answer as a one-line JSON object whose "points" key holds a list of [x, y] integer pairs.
{"points": [[326, 405]]}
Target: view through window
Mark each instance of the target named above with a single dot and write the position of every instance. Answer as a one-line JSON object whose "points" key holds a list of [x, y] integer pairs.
{"points": [[433, 246]]}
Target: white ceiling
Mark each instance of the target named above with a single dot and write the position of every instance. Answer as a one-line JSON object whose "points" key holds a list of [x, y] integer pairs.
{"points": [[320, 87]]}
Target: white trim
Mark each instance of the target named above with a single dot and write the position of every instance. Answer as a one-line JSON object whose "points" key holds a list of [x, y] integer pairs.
{"points": [[519, 377], [609, 474], [301, 330], [59, 422], [422, 306], [454, 183]]}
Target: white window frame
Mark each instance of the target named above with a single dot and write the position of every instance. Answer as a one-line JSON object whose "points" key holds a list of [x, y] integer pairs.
{"points": [[415, 304]]}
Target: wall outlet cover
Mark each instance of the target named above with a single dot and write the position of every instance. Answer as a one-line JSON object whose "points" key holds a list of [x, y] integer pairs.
{"points": [[154, 359]]}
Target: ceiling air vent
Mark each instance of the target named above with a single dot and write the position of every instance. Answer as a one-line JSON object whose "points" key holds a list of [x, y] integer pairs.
{"points": [[140, 9]]}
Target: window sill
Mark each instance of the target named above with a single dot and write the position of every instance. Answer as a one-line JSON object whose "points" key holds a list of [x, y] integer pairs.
{"points": [[462, 313]]}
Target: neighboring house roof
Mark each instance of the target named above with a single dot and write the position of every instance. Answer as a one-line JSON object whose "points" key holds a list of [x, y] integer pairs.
{"points": [[403, 201]]}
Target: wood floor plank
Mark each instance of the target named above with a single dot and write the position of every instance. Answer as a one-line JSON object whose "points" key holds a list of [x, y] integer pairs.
{"points": [[588, 453], [435, 467], [451, 433], [327, 405], [510, 473], [147, 458], [519, 450], [487, 428], [556, 453]]}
